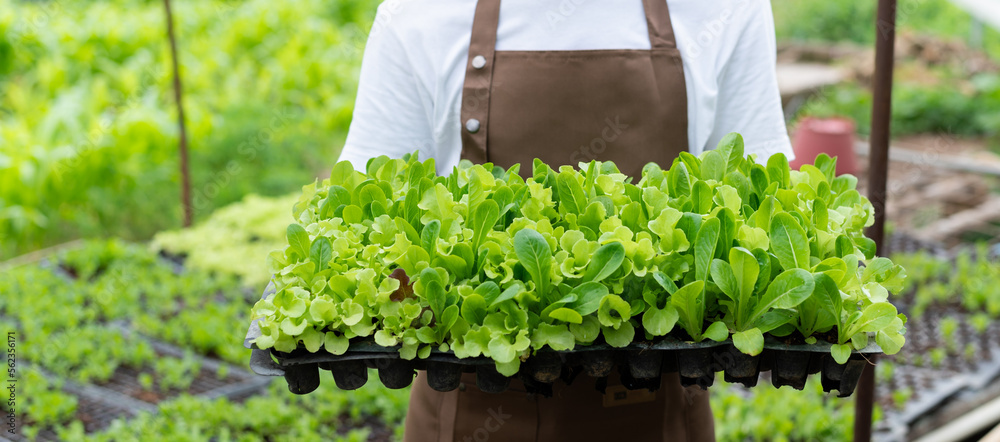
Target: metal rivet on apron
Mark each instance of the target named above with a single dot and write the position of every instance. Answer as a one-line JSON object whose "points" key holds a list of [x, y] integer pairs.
{"points": [[478, 61], [472, 125], [461, 386]]}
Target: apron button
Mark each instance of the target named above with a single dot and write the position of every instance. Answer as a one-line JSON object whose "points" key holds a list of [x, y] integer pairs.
{"points": [[478, 61], [472, 125]]}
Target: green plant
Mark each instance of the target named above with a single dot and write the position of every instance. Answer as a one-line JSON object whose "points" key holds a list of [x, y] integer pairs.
{"points": [[483, 262], [938, 356], [221, 243], [146, 381], [791, 415], [901, 396], [78, 345], [980, 322], [213, 333], [949, 326], [176, 373], [47, 405], [89, 353], [970, 352], [967, 282], [222, 371]]}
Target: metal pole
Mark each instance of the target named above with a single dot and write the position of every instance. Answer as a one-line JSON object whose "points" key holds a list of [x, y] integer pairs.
{"points": [[185, 174], [878, 169]]}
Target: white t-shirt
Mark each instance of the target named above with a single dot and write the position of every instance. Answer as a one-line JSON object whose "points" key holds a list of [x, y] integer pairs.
{"points": [[410, 90]]}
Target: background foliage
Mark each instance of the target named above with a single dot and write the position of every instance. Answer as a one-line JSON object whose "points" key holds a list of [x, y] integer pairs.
{"points": [[87, 124], [87, 120], [942, 97]]}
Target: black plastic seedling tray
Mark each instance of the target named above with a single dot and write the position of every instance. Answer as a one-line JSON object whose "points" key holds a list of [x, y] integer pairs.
{"points": [[640, 365]]}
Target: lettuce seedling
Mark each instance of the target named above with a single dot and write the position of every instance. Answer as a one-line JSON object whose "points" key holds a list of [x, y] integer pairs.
{"points": [[484, 263], [753, 314]]}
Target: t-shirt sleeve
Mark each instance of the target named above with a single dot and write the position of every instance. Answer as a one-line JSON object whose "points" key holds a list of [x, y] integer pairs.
{"points": [[749, 100], [390, 117]]}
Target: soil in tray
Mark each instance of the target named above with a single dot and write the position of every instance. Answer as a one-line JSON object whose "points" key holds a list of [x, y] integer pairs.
{"points": [[126, 381], [924, 337], [796, 338], [94, 415], [914, 371]]}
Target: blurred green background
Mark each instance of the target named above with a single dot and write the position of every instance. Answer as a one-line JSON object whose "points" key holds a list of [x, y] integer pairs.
{"points": [[87, 123]]}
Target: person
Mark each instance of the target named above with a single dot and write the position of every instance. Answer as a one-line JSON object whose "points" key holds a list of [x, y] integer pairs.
{"points": [[566, 81]]}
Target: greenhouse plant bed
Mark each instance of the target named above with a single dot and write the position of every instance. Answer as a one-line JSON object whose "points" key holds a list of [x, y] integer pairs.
{"points": [[237, 382], [697, 364], [96, 408], [94, 414], [126, 380], [931, 388]]}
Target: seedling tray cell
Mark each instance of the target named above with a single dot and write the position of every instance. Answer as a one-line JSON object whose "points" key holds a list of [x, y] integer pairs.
{"points": [[742, 368], [302, 378], [639, 365], [491, 381], [396, 373], [596, 364], [349, 375], [695, 367], [791, 368], [545, 367], [443, 376], [645, 364]]}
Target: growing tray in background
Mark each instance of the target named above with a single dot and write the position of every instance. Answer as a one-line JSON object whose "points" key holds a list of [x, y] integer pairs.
{"points": [[484, 264]]}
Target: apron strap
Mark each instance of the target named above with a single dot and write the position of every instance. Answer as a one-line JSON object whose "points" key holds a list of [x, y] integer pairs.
{"points": [[479, 80], [476, 91], [661, 32]]}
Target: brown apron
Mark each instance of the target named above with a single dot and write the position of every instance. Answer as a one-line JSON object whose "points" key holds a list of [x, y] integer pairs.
{"points": [[567, 107]]}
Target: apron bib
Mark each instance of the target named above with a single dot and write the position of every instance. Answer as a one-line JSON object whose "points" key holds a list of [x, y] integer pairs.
{"points": [[568, 107]]}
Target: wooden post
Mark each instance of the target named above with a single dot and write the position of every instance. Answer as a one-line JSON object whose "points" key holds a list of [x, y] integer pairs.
{"points": [[878, 170], [183, 147]]}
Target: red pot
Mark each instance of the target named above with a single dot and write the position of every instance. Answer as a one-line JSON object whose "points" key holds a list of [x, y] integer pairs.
{"points": [[832, 136]]}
